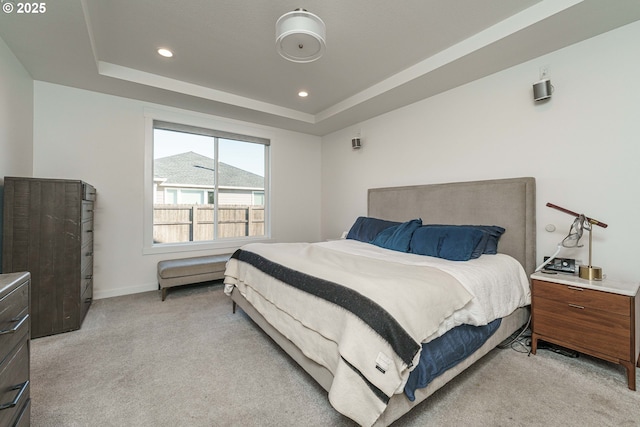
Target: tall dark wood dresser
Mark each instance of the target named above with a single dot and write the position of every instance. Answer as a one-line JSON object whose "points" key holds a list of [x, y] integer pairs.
{"points": [[48, 231], [15, 401]]}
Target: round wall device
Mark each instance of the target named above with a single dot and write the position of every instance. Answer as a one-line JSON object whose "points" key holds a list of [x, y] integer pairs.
{"points": [[300, 36]]}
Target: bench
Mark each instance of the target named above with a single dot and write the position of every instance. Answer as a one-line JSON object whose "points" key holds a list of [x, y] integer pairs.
{"points": [[184, 271]]}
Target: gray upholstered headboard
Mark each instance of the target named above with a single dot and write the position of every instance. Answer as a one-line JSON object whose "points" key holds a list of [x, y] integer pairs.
{"points": [[509, 203]]}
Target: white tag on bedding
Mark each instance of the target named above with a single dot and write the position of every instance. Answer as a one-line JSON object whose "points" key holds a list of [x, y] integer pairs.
{"points": [[382, 362]]}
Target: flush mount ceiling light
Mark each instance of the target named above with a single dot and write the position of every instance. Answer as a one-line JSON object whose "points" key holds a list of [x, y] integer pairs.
{"points": [[300, 36]]}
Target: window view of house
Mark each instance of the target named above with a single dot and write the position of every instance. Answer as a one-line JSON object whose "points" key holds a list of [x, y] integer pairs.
{"points": [[207, 185]]}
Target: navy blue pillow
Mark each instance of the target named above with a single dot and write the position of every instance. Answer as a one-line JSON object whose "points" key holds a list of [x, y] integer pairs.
{"points": [[365, 229], [398, 237], [426, 240], [489, 245], [494, 233], [481, 247], [455, 243]]}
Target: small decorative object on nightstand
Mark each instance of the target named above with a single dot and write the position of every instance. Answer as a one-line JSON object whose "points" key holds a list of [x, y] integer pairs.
{"points": [[599, 318]]}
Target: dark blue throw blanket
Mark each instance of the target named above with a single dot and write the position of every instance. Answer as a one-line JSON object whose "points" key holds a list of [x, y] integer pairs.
{"points": [[446, 352]]}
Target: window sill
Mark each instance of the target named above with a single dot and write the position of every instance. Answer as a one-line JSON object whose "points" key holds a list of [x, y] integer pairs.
{"points": [[222, 246]]}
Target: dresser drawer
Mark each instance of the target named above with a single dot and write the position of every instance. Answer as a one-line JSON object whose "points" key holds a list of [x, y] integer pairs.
{"points": [[14, 318], [584, 328], [87, 211], [87, 256], [88, 191], [14, 383], [86, 282], [86, 274], [87, 232], [87, 299], [24, 417], [588, 298]]}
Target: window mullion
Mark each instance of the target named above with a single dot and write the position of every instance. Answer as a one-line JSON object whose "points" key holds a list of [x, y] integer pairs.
{"points": [[215, 187]]}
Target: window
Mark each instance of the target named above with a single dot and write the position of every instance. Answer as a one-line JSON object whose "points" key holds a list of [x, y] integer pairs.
{"points": [[208, 185]]}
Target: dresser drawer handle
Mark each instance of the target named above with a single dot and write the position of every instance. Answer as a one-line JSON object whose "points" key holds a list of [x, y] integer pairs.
{"points": [[22, 387], [89, 254], [88, 277], [573, 288], [576, 306], [89, 231], [17, 326]]}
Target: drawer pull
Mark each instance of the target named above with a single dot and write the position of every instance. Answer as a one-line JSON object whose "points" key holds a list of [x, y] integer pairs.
{"points": [[17, 326], [573, 288], [89, 231], [22, 387], [576, 306], [88, 276], [89, 254]]}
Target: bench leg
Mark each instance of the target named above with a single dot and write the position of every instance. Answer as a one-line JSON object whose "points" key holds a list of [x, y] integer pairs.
{"points": [[234, 307], [164, 293]]}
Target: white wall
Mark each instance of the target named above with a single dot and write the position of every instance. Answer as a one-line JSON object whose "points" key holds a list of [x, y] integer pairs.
{"points": [[16, 121], [582, 146], [100, 139], [16, 116]]}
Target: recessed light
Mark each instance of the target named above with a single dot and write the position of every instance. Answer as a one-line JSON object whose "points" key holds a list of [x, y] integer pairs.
{"points": [[165, 52], [303, 94]]}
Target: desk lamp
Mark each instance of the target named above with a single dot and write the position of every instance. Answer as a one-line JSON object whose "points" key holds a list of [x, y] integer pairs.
{"points": [[582, 222]]}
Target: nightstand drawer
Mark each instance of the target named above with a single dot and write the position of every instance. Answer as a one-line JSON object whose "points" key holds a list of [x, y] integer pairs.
{"points": [[612, 303], [583, 327]]}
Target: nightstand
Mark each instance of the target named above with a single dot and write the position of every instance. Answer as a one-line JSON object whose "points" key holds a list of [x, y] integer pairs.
{"points": [[598, 318]]}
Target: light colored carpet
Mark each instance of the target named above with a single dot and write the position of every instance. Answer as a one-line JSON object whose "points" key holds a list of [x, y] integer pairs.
{"points": [[188, 361]]}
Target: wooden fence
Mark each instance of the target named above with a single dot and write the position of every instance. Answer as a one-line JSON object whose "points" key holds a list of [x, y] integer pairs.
{"points": [[192, 223]]}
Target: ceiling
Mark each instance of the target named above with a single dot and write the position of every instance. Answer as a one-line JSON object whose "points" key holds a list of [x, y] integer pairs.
{"points": [[380, 54]]}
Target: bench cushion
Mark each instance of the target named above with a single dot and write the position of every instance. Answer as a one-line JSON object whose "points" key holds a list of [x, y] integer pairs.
{"points": [[192, 266], [186, 271]]}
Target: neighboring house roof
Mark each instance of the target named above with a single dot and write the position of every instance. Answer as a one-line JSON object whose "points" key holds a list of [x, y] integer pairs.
{"points": [[193, 169]]}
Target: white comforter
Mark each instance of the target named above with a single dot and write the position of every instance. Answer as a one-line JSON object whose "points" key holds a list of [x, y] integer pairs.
{"points": [[425, 296], [498, 282]]}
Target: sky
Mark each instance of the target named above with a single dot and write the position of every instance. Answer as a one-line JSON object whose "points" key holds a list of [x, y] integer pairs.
{"points": [[243, 155]]}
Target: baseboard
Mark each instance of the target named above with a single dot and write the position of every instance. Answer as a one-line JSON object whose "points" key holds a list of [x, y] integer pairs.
{"points": [[109, 293]]}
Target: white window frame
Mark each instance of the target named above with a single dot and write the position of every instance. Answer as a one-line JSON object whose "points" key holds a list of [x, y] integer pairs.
{"points": [[207, 122]]}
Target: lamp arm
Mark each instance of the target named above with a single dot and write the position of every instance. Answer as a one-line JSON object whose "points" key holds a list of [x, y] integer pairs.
{"points": [[567, 211]]}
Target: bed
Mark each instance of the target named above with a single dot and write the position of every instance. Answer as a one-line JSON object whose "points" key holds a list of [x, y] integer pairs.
{"points": [[334, 361]]}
